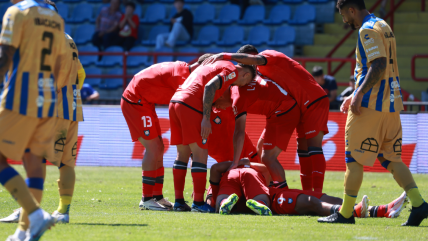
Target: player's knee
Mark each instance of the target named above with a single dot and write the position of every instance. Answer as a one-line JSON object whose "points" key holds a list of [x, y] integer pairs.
{"points": [[301, 144]]}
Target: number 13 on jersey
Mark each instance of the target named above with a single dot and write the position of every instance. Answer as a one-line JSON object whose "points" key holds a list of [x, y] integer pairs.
{"points": [[147, 121]]}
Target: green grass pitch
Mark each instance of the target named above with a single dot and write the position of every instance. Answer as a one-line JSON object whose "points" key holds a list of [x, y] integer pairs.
{"points": [[105, 207]]}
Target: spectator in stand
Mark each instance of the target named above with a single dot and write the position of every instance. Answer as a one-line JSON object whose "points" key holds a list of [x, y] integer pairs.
{"points": [[181, 27], [128, 27], [328, 83], [348, 91], [107, 26], [88, 93]]}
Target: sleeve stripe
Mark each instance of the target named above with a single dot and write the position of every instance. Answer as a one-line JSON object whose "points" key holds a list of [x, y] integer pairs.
{"points": [[243, 113]]}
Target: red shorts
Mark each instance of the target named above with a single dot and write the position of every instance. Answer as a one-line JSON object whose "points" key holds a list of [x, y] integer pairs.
{"points": [[141, 119], [279, 129], [244, 182], [314, 120], [284, 201], [222, 150], [185, 126]]}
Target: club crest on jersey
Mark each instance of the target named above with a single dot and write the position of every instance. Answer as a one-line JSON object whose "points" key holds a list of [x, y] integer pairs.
{"points": [[217, 120], [232, 75], [290, 201], [147, 133], [204, 141]]}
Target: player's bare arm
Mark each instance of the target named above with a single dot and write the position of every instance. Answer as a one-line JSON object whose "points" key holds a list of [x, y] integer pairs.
{"points": [[218, 169], [374, 74], [209, 93], [238, 139], [241, 58], [6, 56], [263, 169]]}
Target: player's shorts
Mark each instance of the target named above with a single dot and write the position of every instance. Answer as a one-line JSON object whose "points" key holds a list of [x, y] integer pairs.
{"points": [[244, 182], [285, 202], [185, 125], [314, 119], [142, 119], [372, 134], [65, 143], [224, 152], [19, 134], [279, 129]]}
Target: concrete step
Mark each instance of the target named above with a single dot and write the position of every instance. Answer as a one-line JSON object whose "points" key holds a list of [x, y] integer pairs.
{"points": [[411, 17], [328, 39]]}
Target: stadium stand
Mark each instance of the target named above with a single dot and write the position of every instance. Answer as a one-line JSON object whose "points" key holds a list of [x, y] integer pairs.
{"points": [[81, 13], [87, 60], [138, 61], [207, 36], [204, 14], [283, 35], [94, 82], [187, 50], [228, 14], [85, 32], [258, 35], [154, 13], [278, 15], [253, 14], [232, 35], [151, 41], [111, 60]]}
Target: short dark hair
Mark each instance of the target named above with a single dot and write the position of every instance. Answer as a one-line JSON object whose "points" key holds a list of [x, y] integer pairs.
{"points": [[131, 4], [248, 49], [53, 5], [203, 58], [359, 4], [251, 68], [317, 71]]}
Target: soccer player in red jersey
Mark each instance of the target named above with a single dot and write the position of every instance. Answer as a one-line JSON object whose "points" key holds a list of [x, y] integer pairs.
{"points": [[153, 85], [310, 97], [189, 114], [264, 97]]}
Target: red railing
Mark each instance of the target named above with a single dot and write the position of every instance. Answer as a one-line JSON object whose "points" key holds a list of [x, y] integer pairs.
{"points": [[413, 66], [391, 24]]}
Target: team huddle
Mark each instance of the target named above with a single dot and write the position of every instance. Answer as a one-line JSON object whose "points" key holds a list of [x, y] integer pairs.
{"points": [[208, 106]]}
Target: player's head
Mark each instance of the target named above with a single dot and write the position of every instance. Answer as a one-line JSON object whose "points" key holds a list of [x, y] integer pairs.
{"points": [[246, 73], [351, 12], [248, 49], [318, 74], [224, 101], [204, 57], [130, 8], [52, 4], [179, 4]]}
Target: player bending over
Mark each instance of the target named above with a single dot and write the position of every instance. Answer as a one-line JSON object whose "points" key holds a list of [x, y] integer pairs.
{"points": [[153, 85], [287, 201], [29, 54], [267, 98], [189, 114], [373, 126], [311, 100]]}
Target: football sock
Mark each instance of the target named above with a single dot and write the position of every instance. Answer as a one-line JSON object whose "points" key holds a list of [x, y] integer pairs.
{"points": [[149, 178], [215, 187], [318, 167], [157, 190], [180, 201], [16, 186], [66, 181], [305, 170], [179, 172], [378, 211], [35, 185], [199, 176], [415, 197], [353, 179], [335, 209]]}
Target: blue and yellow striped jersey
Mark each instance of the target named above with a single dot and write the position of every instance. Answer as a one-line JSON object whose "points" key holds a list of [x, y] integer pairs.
{"points": [[376, 40], [37, 33], [69, 100]]}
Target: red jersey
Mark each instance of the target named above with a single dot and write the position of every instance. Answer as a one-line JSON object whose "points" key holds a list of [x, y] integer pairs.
{"points": [[158, 83], [191, 91], [262, 97], [221, 139], [279, 198], [291, 76]]}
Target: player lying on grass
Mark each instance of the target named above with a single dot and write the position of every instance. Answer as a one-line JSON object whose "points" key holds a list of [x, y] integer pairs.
{"points": [[263, 97], [190, 119], [249, 181], [153, 85], [311, 100]]}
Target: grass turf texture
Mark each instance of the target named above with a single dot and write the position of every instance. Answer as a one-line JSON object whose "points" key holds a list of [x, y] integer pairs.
{"points": [[105, 207]]}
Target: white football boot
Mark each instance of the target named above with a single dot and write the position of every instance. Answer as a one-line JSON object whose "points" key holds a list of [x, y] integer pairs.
{"points": [[61, 217], [13, 218], [365, 207], [395, 207], [166, 203], [19, 235], [152, 205], [40, 221]]}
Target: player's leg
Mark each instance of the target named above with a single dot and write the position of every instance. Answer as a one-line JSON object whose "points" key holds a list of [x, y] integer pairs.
{"points": [[260, 147], [255, 191], [269, 158], [318, 161], [199, 177], [179, 172], [390, 210], [305, 162], [230, 191], [159, 180]]}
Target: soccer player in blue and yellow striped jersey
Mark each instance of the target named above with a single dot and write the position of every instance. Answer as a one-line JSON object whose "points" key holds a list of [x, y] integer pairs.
{"points": [[373, 128], [31, 40]]}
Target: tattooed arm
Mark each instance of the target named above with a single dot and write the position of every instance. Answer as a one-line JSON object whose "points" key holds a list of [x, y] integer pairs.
{"points": [[209, 93], [6, 56], [247, 59], [374, 74]]}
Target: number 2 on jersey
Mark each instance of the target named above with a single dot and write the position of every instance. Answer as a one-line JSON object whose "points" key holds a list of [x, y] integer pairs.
{"points": [[45, 51], [147, 121]]}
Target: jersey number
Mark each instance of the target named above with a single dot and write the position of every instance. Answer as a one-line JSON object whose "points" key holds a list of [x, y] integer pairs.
{"points": [[45, 51], [147, 121]]}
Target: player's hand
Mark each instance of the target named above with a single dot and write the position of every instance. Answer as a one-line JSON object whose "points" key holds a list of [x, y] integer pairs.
{"points": [[356, 103], [213, 59], [233, 166], [205, 128], [345, 104]]}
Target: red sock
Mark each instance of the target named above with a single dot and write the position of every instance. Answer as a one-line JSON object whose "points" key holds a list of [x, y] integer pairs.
{"points": [[378, 211], [179, 172], [159, 181], [149, 178], [318, 168], [305, 170], [215, 187]]}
